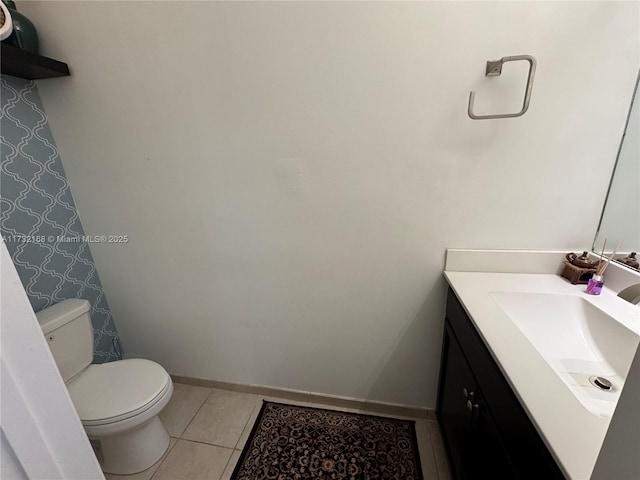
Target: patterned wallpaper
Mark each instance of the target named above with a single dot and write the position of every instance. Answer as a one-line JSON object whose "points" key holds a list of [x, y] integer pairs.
{"points": [[39, 220]]}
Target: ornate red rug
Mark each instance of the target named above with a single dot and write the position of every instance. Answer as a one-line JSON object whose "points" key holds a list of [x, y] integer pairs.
{"points": [[302, 443]]}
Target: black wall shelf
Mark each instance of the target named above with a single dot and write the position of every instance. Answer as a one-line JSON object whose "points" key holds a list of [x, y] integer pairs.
{"points": [[23, 64]]}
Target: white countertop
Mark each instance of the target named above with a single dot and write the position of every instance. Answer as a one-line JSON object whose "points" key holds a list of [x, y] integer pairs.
{"points": [[573, 434]]}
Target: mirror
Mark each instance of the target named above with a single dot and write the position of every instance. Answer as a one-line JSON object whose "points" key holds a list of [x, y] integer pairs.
{"points": [[620, 219]]}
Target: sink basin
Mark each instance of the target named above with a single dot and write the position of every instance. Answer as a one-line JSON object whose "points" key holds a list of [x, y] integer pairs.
{"points": [[578, 340]]}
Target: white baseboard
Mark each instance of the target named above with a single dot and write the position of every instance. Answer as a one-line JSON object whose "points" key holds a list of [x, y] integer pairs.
{"points": [[374, 407]]}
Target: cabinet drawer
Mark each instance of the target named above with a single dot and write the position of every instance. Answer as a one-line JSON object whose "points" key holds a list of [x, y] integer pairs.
{"points": [[527, 450]]}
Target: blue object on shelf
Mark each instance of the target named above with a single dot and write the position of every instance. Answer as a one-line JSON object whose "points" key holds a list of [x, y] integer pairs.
{"points": [[24, 35]]}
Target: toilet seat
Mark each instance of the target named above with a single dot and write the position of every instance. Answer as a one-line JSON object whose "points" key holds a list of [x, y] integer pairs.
{"points": [[113, 396]]}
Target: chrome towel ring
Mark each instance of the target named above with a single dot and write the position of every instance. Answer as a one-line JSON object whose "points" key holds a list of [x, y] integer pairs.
{"points": [[494, 68]]}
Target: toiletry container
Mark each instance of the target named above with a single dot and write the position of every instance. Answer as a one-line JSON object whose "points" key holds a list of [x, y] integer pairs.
{"points": [[24, 34]]}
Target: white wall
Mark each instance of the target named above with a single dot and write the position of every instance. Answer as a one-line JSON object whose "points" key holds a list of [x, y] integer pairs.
{"points": [[290, 173], [41, 436]]}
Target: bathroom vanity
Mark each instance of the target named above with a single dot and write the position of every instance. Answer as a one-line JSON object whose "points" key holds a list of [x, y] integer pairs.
{"points": [[514, 397], [487, 432]]}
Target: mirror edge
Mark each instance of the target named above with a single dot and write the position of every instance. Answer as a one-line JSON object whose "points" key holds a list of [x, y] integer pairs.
{"points": [[634, 97]]}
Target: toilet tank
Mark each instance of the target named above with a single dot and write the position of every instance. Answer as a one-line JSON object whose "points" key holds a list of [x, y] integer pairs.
{"points": [[67, 329]]}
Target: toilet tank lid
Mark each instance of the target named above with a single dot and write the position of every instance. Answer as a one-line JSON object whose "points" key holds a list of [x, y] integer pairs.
{"points": [[55, 316]]}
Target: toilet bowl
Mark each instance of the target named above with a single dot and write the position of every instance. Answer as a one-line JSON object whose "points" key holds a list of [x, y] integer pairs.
{"points": [[118, 402]]}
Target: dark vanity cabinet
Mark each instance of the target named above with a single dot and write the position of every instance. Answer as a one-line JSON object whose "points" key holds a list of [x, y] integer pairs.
{"points": [[487, 433]]}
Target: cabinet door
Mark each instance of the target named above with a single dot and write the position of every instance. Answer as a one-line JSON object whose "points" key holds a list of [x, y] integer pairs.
{"points": [[526, 450], [487, 456], [456, 383]]}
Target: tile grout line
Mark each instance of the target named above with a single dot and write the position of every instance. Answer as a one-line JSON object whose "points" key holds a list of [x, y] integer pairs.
{"points": [[179, 437], [192, 441], [247, 422], [186, 440], [227, 464], [433, 452], [195, 414], [207, 444], [212, 444], [164, 457]]}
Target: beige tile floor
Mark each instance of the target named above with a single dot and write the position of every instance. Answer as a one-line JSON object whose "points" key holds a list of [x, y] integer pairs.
{"points": [[209, 428]]}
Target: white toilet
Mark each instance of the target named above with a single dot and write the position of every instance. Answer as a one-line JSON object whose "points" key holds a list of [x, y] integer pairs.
{"points": [[117, 402]]}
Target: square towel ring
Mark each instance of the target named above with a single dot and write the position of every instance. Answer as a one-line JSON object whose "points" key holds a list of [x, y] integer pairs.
{"points": [[494, 68]]}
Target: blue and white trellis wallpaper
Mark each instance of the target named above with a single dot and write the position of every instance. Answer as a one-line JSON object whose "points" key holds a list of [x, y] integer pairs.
{"points": [[39, 216]]}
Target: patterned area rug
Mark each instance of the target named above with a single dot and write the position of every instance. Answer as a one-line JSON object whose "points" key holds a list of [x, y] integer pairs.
{"points": [[303, 443]]}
